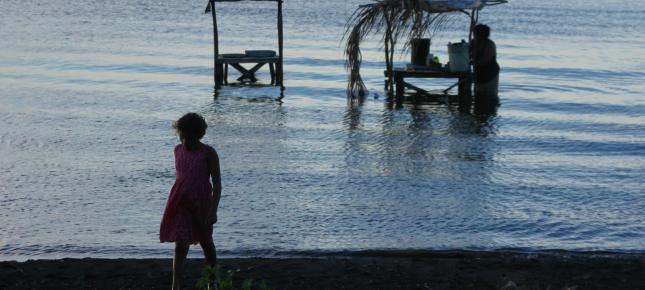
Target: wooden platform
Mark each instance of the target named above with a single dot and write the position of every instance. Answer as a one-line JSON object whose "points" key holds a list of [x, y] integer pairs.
{"points": [[400, 74], [222, 63]]}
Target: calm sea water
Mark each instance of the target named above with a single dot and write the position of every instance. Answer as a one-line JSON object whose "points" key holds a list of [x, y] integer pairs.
{"points": [[88, 92]]}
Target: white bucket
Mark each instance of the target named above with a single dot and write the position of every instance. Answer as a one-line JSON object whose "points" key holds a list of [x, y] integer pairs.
{"points": [[458, 55]]}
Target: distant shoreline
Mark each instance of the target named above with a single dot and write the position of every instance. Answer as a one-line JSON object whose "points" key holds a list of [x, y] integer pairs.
{"points": [[363, 270]]}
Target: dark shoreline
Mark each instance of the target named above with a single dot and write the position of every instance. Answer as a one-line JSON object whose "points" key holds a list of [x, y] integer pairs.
{"points": [[362, 270]]}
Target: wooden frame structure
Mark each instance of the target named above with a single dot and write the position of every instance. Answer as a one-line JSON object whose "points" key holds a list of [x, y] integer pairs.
{"points": [[402, 20], [397, 76], [465, 79], [221, 63]]}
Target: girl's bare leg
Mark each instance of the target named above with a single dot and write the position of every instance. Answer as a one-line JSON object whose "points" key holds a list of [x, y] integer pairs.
{"points": [[209, 253], [211, 260], [181, 250]]}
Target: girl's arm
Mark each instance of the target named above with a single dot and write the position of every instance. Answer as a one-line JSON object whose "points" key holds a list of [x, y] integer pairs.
{"points": [[213, 166]]}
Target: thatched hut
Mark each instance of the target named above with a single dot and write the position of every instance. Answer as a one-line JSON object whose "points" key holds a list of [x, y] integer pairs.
{"points": [[400, 20]]}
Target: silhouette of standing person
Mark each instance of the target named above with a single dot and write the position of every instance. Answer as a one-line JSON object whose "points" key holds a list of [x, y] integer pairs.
{"points": [[191, 209], [484, 55]]}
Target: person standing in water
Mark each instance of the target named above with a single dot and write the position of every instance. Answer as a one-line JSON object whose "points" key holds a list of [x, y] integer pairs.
{"points": [[484, 56], [191, 209]]}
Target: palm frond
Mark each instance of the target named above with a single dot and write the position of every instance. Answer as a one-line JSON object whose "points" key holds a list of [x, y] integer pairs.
{"points": [[395, 20]]}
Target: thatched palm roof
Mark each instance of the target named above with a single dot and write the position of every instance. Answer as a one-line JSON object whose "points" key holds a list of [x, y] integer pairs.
{"points": [[398, 19]]}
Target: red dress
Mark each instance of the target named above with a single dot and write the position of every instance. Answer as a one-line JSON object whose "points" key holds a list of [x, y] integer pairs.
{"points": [[189, 202]]}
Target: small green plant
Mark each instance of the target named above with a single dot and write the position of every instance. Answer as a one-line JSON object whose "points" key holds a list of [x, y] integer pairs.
{"points": [[247, 284], [226, 280], [209, 274], [264, 286]]}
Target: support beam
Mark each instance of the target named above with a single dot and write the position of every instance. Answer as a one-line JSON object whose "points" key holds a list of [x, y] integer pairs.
{"points": [[216, 77], [280, 48]]}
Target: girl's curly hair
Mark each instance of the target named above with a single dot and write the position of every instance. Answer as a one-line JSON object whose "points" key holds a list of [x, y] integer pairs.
{"points": [[191, 127]]}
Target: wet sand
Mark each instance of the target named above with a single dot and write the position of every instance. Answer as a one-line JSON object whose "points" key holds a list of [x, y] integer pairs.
{"points": [[367, 270]]}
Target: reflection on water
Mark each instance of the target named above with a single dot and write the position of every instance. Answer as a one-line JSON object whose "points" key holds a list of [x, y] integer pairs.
{"points": [[410, 138]]}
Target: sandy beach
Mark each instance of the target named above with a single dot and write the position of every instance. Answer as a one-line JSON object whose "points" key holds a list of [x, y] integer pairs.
{"points": [[368, 270]]}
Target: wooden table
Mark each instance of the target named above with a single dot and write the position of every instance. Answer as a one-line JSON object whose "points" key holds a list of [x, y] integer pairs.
{"points": [[400, 74], [222, 63]]}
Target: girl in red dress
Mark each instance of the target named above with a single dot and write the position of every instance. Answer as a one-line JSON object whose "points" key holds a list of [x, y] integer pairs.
{"points": [[191, 209]]}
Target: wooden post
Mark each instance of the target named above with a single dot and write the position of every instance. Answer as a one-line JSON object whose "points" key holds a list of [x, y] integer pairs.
{"points": [[466, 88], [217, 70], [389, 62], [272, 71], [472, 25], [400, 86], [280, 51]]}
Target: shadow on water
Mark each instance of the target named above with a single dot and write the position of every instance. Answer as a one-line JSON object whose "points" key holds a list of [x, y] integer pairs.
{"points": [[263, 109], [432, 156], [477, 116], [422, 129], [485, 107], [352, 118], [249, 91], [474, 115]]}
